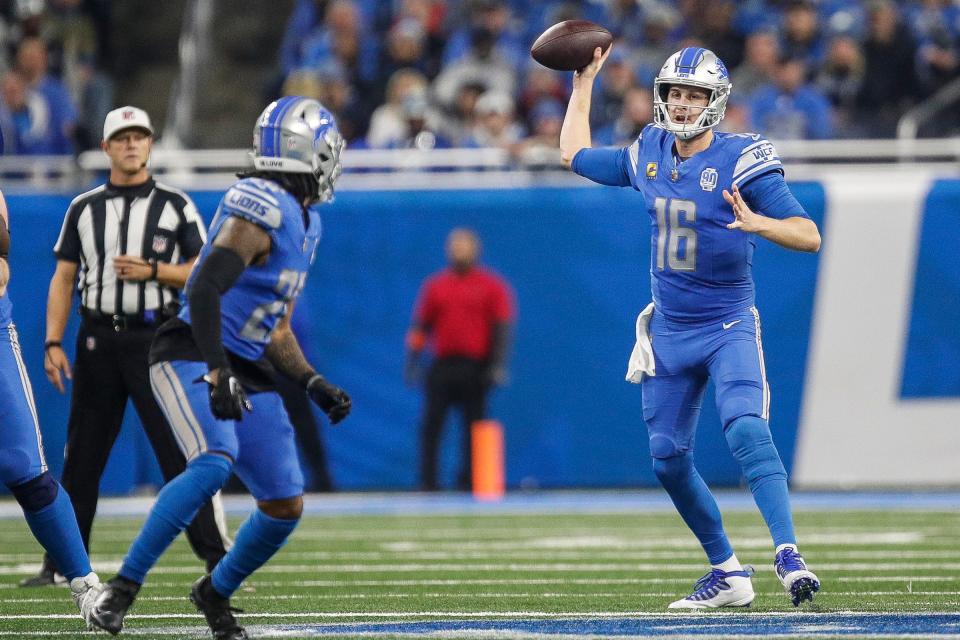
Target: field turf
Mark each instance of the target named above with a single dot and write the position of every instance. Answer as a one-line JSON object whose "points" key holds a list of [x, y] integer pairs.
{"points": [[535, 570]]}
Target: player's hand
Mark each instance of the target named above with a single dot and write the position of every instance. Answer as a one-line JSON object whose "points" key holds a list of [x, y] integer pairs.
{"points": [[56, 365], [496, 375], [743, 218], [228, 400], [590, 71], [332, 399], [132, 268]]}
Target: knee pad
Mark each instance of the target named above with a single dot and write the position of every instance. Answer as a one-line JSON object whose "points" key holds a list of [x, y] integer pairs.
{"points": [[752, 445], [675, 469], [38, 493], [742, 399], [662, 446], [15, 466]]}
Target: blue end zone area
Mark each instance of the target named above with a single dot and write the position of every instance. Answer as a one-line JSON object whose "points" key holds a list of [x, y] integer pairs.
{"points": [[713, 625]]}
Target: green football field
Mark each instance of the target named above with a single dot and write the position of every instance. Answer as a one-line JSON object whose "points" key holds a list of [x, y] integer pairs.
{"points": [[546, 573]]}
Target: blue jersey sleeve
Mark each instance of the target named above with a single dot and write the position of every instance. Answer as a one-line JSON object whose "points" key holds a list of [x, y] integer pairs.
{"points": [[770, 196], [756, 159], [604, 165], [251, 201]]}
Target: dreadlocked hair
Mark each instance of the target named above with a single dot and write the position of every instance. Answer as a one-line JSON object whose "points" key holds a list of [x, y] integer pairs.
{"points": [[303, 186]]}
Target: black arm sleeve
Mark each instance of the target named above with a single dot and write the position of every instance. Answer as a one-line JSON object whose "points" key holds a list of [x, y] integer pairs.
{"points": [[215, 275]]}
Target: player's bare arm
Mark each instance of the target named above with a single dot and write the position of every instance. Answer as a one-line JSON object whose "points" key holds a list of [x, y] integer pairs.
{"points": [[137, 269], [799, 234], [575, 132], [284, 352]]}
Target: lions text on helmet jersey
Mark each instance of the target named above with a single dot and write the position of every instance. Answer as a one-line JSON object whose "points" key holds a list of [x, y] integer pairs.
{"points": [[252, 307]]}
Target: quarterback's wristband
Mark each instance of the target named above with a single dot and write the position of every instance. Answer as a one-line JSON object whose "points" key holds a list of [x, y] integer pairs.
{"points": [[50, 344]]}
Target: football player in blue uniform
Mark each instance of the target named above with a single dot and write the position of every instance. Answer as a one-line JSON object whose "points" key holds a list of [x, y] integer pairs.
{"points": [[708, 195], [23, 466], [208, 365]]}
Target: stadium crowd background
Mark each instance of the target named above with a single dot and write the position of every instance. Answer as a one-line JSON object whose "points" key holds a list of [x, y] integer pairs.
{"points": [[457, 73]]}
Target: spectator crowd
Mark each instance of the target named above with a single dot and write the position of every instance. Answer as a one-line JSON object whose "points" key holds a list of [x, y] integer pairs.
{"points": [[457, 73]]}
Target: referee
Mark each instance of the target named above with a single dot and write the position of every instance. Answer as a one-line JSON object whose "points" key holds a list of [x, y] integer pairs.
{"points": [[130, 243]]}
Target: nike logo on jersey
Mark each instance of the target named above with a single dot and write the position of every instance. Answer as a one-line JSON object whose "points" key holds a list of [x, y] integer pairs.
{"points": [[727, 325]]}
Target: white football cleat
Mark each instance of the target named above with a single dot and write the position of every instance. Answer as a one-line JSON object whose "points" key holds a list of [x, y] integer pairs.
{"points": [[719, 589], [85, 591], [799, 582]]}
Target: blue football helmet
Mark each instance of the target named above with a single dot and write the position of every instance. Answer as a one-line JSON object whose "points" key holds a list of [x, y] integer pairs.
{"points": [[697, 67], [299, 135]]}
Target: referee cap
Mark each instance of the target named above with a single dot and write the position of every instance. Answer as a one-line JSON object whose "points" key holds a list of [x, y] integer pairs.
{"points": [[126, 118]]}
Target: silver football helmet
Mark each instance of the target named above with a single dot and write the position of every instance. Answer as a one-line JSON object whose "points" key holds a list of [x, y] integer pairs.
{"points": [[697, 67], [299, 135]]}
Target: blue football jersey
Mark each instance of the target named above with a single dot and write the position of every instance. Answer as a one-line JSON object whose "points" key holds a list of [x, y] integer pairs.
{"points": [[699, 269], [254, 305]]}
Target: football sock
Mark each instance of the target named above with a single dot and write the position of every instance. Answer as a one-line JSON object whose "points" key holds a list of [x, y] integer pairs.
{"points": [[176, 505], [695, 503], [55, 528], [260, 537], [728, 565], [751, 444]]}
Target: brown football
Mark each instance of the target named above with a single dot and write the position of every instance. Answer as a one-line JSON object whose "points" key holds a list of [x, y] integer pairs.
{"points": [[569, 45]]}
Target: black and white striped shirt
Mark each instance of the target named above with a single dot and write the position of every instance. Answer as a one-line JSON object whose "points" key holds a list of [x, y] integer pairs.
{"points": [[151, 221]]}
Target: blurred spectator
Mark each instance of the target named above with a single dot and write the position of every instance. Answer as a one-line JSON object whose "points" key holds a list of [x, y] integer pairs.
{"points": [[801, 33], [420, 127], [791, 109], [387, 122], [760, 63], [540, 148], [460, 118], [636, 113], [625, 20], [496, 125], [657, 43], [492, 17], [841, 80], [343, 36], [431, 15], [610, 88], [541, 83], [482, 65], [889, 83], [937, 35], [58, 130], [715, 28]]}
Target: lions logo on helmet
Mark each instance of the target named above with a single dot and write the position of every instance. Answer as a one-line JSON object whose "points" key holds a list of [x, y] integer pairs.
{"points": [[299, 135], [694, 67]]}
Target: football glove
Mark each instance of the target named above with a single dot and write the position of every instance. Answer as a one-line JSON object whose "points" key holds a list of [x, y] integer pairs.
{"points": [[228, 400], [333, 400]]}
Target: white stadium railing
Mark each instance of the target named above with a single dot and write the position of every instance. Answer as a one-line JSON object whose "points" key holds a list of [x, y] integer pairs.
{"points": [[367, 169]]}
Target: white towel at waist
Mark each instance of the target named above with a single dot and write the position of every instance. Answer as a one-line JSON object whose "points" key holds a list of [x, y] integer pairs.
{"points": [[641, 360]]}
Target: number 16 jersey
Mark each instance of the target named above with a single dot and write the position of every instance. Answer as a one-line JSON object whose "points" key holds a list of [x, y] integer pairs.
{"points": [[700, 270]]}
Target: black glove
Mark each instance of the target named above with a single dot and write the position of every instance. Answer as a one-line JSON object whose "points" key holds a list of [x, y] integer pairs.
{"points": [[228, 400], [332, 399]]}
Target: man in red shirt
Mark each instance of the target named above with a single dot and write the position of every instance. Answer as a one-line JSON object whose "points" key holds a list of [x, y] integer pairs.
{"points": [[467, 312]]}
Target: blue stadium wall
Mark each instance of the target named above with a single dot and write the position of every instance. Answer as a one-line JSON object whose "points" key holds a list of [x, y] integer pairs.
{"points": [[577, 259]]}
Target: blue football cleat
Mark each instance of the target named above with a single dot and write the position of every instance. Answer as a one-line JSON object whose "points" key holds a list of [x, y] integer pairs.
{"points": [[799, 582], [719, 589]]}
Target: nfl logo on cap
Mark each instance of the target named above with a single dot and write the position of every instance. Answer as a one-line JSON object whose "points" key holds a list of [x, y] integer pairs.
{"points": [[126, 118]]}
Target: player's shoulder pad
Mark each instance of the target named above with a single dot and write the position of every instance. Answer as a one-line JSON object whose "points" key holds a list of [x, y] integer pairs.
{"points": [[258, 200], [755, 155]]}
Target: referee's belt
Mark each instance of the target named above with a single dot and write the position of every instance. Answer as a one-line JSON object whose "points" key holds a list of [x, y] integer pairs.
{"points": [[149, 319]]}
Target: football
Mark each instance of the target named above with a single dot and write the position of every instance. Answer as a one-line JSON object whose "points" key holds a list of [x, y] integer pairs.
{"points": [[569, 45]]}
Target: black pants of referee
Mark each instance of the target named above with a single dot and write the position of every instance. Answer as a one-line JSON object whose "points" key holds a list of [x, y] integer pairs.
{"points": [[112, 366], [451, 382]]}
